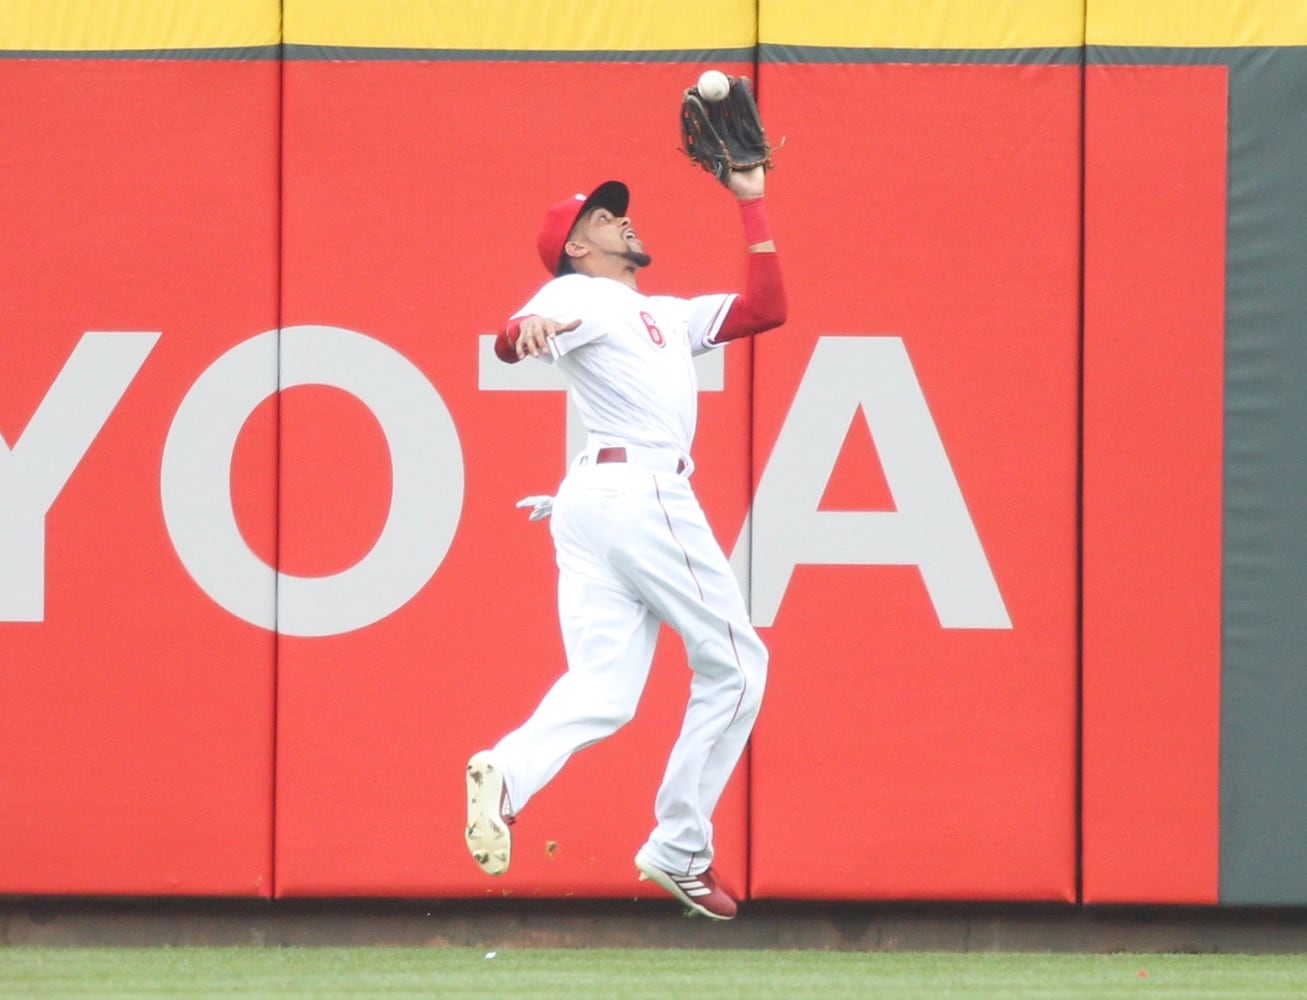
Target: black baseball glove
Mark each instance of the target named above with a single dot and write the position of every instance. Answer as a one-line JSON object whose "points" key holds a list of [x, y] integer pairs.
{"points": [[724, 135]]}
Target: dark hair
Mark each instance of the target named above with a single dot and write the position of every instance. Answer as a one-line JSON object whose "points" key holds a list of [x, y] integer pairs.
{"points": [[564, 266]]}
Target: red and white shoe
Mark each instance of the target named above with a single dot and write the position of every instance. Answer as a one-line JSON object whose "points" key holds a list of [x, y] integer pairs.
{"points": [[700, 892], [489, 815]]}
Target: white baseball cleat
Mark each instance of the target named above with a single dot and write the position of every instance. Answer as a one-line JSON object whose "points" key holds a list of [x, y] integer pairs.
{"points": [[488, 815], [700, 892]]}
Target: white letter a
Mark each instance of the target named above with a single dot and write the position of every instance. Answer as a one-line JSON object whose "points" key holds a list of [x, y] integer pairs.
{"points": [[930, 529]]}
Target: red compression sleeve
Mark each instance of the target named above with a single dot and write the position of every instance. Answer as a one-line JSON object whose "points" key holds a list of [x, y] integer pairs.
{"points": [[763, 305], [753, 213], [506, 342]]}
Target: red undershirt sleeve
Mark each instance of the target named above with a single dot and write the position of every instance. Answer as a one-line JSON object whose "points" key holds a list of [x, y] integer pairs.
{"points": [[763, 305]]}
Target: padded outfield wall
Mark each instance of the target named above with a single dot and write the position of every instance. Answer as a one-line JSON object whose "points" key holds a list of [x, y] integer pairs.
{"points": [[1013, 493]]}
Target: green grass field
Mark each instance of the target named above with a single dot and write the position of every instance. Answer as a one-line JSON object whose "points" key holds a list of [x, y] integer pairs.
{"points": [[682, 975]]}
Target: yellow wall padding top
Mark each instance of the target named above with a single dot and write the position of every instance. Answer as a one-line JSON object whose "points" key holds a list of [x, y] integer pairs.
{"points": [[129, 25], [1197, 23], [523, 25], [924, 24]]}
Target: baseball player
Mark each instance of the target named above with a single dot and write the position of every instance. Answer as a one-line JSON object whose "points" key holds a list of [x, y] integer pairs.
{"points": [[632, 545]]}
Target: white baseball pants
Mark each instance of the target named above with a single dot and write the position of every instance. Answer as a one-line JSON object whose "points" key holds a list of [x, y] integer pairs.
{"points": [[633, 549]]}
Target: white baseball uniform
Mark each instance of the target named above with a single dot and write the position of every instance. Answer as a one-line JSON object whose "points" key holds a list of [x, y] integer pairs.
{"points": [[633, 549]]}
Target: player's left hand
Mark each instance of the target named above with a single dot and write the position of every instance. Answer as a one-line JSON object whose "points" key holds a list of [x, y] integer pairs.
{"points": [[541, 506], [747, 183]]}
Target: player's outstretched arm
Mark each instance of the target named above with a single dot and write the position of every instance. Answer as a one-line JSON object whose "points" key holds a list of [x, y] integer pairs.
{"points": [[763, 305], [529, 335]]}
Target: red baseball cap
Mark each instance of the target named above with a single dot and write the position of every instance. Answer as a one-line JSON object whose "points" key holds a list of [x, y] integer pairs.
{"points": [[559, 220]]}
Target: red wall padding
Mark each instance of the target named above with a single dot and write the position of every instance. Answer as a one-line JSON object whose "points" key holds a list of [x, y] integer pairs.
{"points": [[919, 738], [1155, 197], [898, 757], [141, 196], [411, 218]]}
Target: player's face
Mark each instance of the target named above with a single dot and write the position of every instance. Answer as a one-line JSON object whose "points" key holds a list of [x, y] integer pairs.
{"points": [[612, 234]]}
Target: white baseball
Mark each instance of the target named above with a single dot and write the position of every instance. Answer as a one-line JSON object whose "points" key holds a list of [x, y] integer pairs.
{"points": [[713, 85]]}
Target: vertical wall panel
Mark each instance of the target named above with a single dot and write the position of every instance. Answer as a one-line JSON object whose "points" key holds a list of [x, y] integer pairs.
{"points": [[1154, 297], [930, 198], [140, 196], [1264, 670], [411, 219]]}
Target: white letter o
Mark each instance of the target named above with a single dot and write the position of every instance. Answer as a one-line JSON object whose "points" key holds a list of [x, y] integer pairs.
{"points": [[426, 472]]}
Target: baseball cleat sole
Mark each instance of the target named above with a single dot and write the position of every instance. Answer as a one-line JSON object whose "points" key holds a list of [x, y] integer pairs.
{"points": [[489, 840]]}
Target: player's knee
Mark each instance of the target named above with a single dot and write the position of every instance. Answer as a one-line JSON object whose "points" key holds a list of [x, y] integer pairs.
{"points": [[753, 667], [754, 659]]}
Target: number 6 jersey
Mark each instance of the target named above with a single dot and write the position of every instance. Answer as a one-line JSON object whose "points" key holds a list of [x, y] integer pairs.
{"points": [[629, 364]]}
